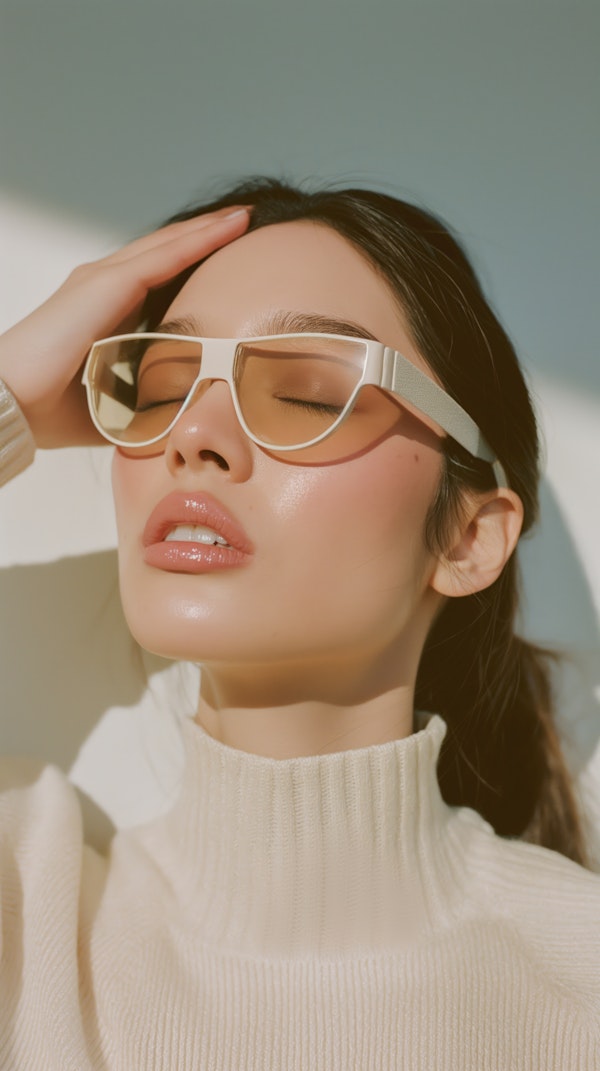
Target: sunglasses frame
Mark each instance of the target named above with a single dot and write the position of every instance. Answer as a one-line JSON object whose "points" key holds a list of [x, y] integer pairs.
{"points": [[384, 367]]}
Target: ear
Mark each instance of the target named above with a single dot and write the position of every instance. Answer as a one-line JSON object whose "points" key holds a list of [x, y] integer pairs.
{"points": [[481, 546]]}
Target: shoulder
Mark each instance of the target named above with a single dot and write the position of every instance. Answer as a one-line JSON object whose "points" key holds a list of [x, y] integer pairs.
{"points": [[547, 903], [50, 884], [36, 797], [42, 852], [544, 883]]}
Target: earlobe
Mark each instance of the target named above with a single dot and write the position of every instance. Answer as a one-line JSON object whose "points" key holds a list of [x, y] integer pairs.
{"points": [[482, 545]]}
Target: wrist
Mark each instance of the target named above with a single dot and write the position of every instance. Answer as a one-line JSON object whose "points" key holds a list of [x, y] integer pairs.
{"points": [[17, 445]]}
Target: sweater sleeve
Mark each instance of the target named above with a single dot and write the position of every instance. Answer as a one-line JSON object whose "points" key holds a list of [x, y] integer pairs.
{"points": [[17, 445], [41, 860]]}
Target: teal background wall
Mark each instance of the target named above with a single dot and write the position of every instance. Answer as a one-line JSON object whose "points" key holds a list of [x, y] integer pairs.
{"points": [[485, 110]]}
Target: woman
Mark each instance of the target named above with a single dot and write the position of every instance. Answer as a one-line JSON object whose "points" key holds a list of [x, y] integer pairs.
{"points": [[340, 557]]}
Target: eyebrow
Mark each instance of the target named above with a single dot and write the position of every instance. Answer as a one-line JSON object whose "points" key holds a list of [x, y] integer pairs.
{"points": [[276, 323]]}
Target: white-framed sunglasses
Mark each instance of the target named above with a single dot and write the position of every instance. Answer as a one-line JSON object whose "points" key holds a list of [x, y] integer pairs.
{"points": [[290, 392]]}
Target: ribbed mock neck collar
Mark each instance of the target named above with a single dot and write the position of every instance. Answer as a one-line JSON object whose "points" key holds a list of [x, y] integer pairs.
{"points": [[346, 852]]}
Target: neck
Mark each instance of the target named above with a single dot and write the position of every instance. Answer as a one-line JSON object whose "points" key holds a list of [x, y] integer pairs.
{"points": [[339, 854], [287, 712]]}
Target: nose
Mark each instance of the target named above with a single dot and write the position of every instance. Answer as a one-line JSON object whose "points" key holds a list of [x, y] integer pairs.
{"points": [[209, 435]]}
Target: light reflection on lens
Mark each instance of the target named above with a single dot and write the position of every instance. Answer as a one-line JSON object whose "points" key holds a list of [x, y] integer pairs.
{"points": [[289, 390]]}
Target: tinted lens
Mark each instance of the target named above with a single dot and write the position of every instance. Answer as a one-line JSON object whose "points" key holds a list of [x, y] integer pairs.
{"points": [[291, 391], [139, 384]]}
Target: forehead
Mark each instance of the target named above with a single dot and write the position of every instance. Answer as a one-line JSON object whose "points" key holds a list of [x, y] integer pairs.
{"points": [[301, 267]]}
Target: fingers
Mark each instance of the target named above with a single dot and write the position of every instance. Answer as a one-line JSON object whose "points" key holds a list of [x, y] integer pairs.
{"points": [[173, 248], [97, 297], [121, 285], [122, 280], [173, 231], [158, 263]]}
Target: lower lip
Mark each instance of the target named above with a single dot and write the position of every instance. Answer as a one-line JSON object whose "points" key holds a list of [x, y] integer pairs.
{"points": [[184, 557]]}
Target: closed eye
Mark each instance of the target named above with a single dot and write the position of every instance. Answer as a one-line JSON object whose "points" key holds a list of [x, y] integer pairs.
{"points": [[156, 405], [312, 407]]}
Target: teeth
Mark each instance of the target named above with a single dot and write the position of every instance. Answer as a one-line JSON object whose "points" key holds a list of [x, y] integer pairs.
{"points": [[195, 533]]}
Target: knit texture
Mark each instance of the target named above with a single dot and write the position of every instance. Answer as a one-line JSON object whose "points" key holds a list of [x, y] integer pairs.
{"points": [[324, 913], [17, 445]]}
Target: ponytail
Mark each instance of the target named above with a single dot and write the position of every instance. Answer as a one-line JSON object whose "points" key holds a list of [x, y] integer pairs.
{"points": [[501, 755]]}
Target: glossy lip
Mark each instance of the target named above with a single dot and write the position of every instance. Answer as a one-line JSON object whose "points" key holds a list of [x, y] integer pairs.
{"points": [[194, 507]]}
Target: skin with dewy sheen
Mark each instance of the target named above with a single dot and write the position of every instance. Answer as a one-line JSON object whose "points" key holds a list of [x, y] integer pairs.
{"points": [[312, 645]]}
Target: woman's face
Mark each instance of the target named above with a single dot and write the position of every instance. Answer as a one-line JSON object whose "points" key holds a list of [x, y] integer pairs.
{"points": [[337, 573]]}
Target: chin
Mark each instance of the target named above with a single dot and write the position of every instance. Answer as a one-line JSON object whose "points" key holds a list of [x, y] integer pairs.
{"points": [[178, 639], [171, 616]]}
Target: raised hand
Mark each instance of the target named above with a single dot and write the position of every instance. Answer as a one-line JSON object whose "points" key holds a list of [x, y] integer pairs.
{"points": [[41, 357]]}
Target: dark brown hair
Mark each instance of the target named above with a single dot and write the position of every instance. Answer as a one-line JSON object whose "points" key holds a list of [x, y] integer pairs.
{"points": [[502, 754]]}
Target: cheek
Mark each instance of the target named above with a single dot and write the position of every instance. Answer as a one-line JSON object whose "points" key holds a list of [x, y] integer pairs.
{"points": [[340, 560], [383, 496], [357, 528]]}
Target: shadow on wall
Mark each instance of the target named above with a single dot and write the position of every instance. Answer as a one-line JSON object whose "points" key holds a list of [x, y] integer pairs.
{"points": [[67, 655]]}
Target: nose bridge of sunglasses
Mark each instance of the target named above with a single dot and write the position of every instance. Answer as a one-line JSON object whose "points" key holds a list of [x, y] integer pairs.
{"points": [[218, 357], [216, 366], [207, 391]]}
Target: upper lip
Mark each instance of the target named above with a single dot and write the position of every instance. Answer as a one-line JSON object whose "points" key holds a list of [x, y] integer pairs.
{"points": [[194, 507]]}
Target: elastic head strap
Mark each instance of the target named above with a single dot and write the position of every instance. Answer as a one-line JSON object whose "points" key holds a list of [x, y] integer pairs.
{"points": [[406, 380]]}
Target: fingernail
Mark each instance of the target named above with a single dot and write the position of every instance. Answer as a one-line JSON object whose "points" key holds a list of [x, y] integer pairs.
{"points": [[237, 212]]}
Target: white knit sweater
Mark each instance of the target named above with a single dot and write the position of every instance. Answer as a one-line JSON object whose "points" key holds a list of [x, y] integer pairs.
{"points": [[329, 913], [324, 913]]}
